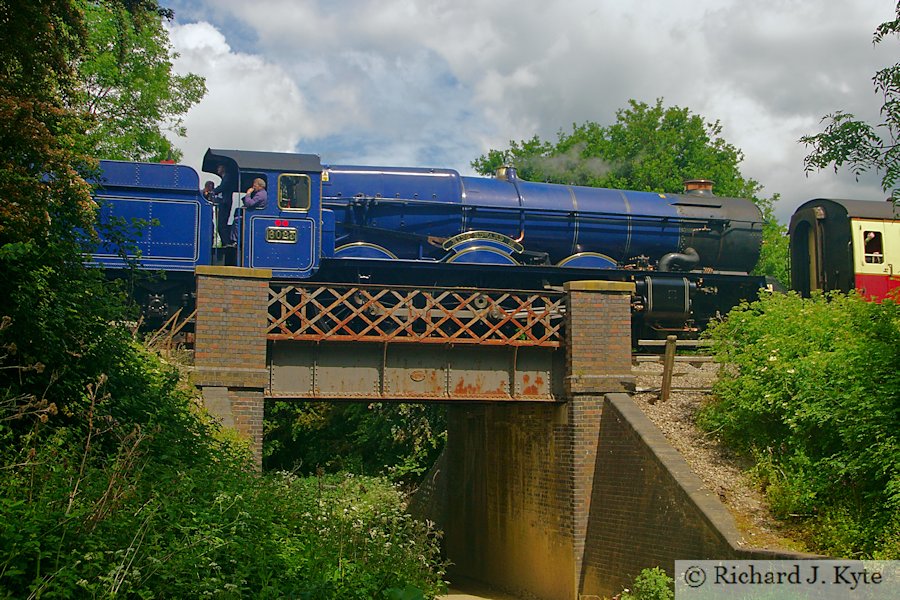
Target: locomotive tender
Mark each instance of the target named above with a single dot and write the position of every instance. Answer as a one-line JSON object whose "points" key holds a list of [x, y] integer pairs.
{"points": [[689, 254]]}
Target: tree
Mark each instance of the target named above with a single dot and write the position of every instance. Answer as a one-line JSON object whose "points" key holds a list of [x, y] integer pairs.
{"points": [[37, 166], [55, 314], [775, 254], [70, 67], [113, 483], [648, 148], [399, 440], [128, 86], [860, 146]]}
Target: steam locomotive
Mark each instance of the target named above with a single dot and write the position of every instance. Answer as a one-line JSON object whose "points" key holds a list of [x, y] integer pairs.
{"points": [[688, 254]]}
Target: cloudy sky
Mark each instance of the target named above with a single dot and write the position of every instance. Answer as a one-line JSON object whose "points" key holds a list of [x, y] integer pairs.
{"points": [[439, 82]]}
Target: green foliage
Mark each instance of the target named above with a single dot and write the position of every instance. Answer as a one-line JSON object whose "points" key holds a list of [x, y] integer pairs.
{"points": [[860, 146], [112, 480], [40, 41], [812, 392], [648, 148], [650, 584], [775, 254], [361, 541], [38, 165], [128, 86], [399, 440], [95, 525]]}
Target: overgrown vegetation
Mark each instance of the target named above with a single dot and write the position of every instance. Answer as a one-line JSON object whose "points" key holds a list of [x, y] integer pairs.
{"points": [[400, 441], [812, 392], [650, 584], [113, 481]]}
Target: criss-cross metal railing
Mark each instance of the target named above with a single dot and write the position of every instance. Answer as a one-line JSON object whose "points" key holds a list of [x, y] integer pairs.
{"points": [[415, 315]]}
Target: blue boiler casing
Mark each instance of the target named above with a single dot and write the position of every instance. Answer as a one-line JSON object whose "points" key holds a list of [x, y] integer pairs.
{"points": [[397, 209]]}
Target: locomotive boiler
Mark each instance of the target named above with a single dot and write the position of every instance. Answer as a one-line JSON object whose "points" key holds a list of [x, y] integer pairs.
{"points": [[689, 255], [391, 212]]}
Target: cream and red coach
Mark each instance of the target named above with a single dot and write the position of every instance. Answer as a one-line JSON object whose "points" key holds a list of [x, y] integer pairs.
{"points": [[844, 245]]}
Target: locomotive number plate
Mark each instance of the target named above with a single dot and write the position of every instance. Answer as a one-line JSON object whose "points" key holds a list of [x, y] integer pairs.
{"points": [[281, 235]]}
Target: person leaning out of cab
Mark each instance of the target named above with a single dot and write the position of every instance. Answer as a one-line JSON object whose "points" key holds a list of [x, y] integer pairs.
{"points": [[256, 196]]}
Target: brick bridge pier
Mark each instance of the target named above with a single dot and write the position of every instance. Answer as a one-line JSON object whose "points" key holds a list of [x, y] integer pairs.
{"points": [[552, 485]]}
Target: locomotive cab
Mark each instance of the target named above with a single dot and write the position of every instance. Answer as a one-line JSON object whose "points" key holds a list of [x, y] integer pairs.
{"points": [[285, 234]]}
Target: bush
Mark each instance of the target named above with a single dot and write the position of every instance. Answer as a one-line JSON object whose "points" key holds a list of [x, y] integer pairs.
{"points": [[167, 508], [812, 392], [650, 584], [401, 441], [113, 481]]}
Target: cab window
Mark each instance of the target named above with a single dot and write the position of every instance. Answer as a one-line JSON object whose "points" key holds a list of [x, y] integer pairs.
{"points": [[874, 247], [293, 192]]}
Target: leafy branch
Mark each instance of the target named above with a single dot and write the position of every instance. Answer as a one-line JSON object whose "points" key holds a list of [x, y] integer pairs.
{"points": [[855, 144]]}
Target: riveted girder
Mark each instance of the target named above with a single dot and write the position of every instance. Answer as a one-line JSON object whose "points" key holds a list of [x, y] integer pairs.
{"points": [[411, 344]]}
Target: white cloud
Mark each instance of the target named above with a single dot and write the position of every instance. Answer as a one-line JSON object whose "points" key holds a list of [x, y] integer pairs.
{"points": [[251, 103], [440, 82]]}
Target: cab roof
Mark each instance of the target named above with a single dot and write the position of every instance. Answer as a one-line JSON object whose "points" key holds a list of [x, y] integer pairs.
{"points": [[261, 161]]}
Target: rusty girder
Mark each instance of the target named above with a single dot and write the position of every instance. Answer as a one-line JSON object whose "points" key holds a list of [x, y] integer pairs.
{"points": [[413, 315]]}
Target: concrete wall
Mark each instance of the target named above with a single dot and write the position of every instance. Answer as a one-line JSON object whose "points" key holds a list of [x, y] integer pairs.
{"points": [[505, 493], [509, 519]]}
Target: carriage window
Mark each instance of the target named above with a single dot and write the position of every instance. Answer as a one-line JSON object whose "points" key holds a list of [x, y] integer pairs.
{"points": [[874, 247], [293, 192]]}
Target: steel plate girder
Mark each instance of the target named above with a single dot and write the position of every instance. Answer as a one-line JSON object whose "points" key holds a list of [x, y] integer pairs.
{"points": [[405, 372]]}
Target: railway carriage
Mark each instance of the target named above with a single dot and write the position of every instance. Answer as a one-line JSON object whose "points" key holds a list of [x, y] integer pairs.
{"points": [[845, 245]]}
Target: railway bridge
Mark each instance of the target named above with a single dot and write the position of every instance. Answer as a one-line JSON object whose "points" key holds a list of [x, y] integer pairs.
{"points": [[552, 485]]}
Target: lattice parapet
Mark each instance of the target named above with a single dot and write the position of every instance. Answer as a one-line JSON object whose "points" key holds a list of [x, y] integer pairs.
{"points": [[414, 315]]}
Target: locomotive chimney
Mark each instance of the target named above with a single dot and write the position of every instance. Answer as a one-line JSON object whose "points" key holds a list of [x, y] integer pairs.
{"points": [[698, 187]]}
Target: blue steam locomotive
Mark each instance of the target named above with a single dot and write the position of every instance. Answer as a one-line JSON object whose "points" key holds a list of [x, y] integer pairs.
{"points": [[689, 254]]}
